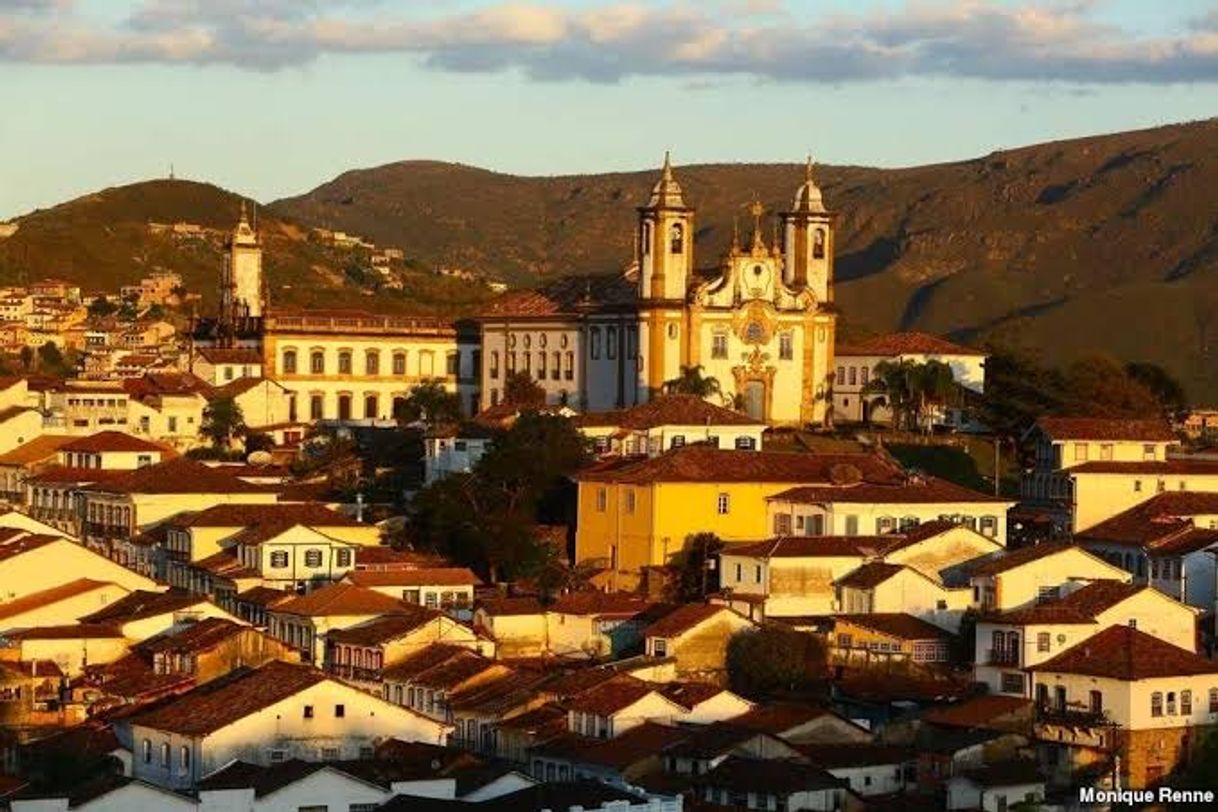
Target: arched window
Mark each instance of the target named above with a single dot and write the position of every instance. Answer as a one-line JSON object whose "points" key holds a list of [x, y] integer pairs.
{"points": [[184, 758], [399, 363], [317, 362], [344, 362], [676, 238], [147, 748], [494, 365], [541, 366], [289, 362], [372, 363], [344, 407], [370, 407], [315, 407], [818, 244], [569, 367], [556, 358], [164, 754]]}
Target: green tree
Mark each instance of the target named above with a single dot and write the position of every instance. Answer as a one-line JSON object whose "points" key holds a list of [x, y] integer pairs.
{"points": [[27, 358], [896, 381], [486, 519], [258, 441], [693, 381], [1018, 390], [1166, 389], [1100, 387], [432, 403], [101, 307], [695, 580], [52, 361], [520, 390], [774, 659], [222, 422]]}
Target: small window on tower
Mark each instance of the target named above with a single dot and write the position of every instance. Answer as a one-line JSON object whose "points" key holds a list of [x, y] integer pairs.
{"points": [[676, 238], [818, 244]]}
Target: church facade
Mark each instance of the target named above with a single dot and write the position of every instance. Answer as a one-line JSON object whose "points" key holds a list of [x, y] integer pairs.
{"points": [[763, 326]]}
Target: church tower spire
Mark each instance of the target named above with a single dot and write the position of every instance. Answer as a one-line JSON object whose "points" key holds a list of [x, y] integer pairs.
{"points": [[242, 292], [808, 237], [665, 239]]}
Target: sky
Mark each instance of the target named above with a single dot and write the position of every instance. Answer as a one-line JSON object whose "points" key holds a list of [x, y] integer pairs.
{"points": [[270, 98]]}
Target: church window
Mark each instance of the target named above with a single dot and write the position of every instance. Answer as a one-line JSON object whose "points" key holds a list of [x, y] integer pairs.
{"points": [[370, 407], [315, 407], [719, 345], [452, 364], [786, 349], [541, 366], [594, 343], [676, 238], [317, 362], [344, 362], [646, 238], [289, 362], [854, 376], [399, 363], [818, 244], [555, 367], [611, 343], [569, 371], [494, 364], [754, 333], [372, 363]]}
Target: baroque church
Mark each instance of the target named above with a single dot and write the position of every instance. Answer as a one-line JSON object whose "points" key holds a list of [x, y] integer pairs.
{"points": [[763, 325]]}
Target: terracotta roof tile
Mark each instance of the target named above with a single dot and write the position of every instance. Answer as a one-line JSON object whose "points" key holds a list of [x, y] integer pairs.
{"points": [[769, 776], [142, 604], [265, 596], [223, 355], [452, 674], [703, 464], [813, 547], [674, 410], [26, 543], [896, 624], [341, 599], [1080, 606], [909, 343], [43, 447], [1017, 558], [423, 659], [1171, 467], [600, 604], [1158, 520], [202, 636], [1097, 428], [1124, 653], [610, 696], [404, 620], [49, 597], [871, 575], [778, 718], [180, 475], [75, 631], [981, 711], [225, 700], [683, 619], [565, 295], [920, 489], [689, 695], [64, 475], [104, 441], [424, 576], [496, 607], [637, 744]]}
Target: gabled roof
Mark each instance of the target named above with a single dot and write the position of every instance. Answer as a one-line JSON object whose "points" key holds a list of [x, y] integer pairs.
{"points": [[49, 597], [600, 604], [1125, 653], [1164, 520], [143, 603], [779, 718], [425, 576], [907, 343], [104, 441], [610, 697], [265, 596], [896, 624], [635, 745], [1174, 466], [228, 699], [341, 599], [769, 776], [813, 547], [704, 464], [403, 621], [689, 695], [179, 475], [424, 659], [684, 618], [913, 489], [224, 355], [499, 607], [1081, 606], [43, 447], [671, 410], [872, 574], [74, 631], [1017, 558], [202, 636], [980, 711], [1099, 428]]}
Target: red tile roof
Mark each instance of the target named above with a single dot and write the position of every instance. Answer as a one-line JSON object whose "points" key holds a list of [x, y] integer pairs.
{"points": [[1081, 606], [404, 620], [425, 658], [75, 631], [871, 575], [49, 597], [704, 464], [104, 441], [683, 619], [909, 343], [43, 447], [1017, 558], [919, 489], [896, 624], [63, 475], [26, 543], [690, 695], [201, 636], [610, 696], [341, 599], [221, 355], [979, 712], [496, 607], [1125, 653], [638, 744], [1172, 467], [426, 576], [813, 547], [1098, 428], [778, 718], [144, 603], [672, 410], [565, 295], [180, 475], [265, 596], [221, 702], [600, 604]]}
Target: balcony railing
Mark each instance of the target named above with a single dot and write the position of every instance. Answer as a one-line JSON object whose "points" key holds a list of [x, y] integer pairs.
{"points": [[1002, 656], [1073, 715], [109, 531], [354, 672]]}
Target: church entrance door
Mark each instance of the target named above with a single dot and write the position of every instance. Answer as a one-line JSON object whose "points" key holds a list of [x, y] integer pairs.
{"points": [[754, 400]]}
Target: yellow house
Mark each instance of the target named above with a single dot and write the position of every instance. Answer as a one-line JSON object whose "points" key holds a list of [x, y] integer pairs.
{"points": [[636, 513], [696, 636], [71, 646], [1022, 577], [791, 576], [143, 614], [303, 622], [1104, 489], [897, 589], [517, 625], [885, 636], [667, 422], [1010, 641], [263, 402], [1161, 700], [58, 605], [33, 562]]}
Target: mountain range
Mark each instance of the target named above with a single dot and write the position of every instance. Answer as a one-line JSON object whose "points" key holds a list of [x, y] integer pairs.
{"points": [[1101, 245]]}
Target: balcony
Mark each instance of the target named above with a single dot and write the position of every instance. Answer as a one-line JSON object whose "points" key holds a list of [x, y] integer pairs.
{"points": [[1002, 656], [354, 673], [1073, 715], [99, 530]]}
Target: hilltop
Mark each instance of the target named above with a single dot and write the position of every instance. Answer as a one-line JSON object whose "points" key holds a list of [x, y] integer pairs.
{"points": [[1104, 244], [106, 239]]}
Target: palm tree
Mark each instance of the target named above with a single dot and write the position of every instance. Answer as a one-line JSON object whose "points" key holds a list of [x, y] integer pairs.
{"points": [[693, 382], [934, 385], [895, 381]]}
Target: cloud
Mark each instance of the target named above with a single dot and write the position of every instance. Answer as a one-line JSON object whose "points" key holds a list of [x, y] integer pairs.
{"points": [[697, 41]]}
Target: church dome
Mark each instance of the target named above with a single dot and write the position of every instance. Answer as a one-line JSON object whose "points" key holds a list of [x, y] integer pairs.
{"points": [[667, 192], [808, 196]]}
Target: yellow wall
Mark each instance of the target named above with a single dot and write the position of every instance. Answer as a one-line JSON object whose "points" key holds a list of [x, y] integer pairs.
{"points": [[1020, 586], [1101, 496], [60, 562]]}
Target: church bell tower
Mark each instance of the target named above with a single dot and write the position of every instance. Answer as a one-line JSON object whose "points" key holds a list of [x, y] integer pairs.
{"points": [[241, 284], [666, 240], [808, 238]]}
